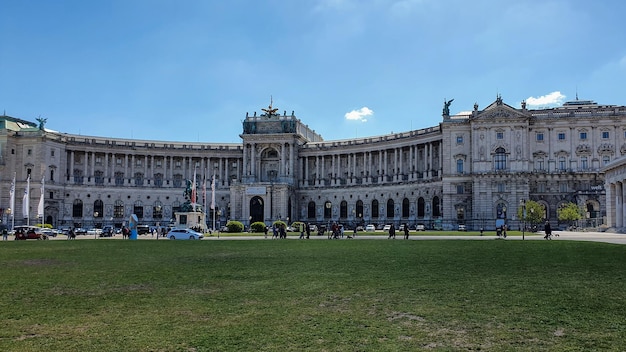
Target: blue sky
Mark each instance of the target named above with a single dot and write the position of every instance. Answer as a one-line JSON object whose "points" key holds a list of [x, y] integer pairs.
{"points": [[189, 70]]}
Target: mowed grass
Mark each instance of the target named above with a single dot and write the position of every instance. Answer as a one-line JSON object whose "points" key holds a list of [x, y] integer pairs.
{"points": [[317, 295]]}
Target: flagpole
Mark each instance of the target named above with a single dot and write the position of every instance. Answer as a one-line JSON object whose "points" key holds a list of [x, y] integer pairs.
{"points": [[204, 198], [213, 201]]}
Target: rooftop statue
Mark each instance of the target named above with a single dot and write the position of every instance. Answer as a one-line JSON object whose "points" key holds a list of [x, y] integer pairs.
{"points": [[446, 107], [42, 122], [270, 111]]}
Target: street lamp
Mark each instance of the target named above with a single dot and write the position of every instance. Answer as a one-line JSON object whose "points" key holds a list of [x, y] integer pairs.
{"points": [[523, 201], [95, 234]]}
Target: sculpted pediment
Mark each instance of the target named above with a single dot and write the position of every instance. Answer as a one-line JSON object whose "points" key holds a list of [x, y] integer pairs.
{"points": [[498, 110]]}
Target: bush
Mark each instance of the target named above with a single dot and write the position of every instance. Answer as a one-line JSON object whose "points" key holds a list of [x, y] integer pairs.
{"points": [[258, 226], [279, 223], [297, 226], [234, 226]]}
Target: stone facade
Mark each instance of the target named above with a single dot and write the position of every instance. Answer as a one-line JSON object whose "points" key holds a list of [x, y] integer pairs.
{"points": [[470, 169]]}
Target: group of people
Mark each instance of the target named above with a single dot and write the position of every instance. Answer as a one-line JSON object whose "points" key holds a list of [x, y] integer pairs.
{"points": [[392, 231]]}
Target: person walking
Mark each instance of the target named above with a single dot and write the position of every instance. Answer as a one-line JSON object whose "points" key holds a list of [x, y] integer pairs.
{"points": [[392, 232], [301, 231], [5, 234], [406, 231], [308, 230], [548, 230]]}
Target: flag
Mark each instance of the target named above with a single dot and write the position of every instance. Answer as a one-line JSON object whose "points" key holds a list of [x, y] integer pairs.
{"points": [[193, 188], [25, 201], [12, 193], [213, 192], [40, 205]]}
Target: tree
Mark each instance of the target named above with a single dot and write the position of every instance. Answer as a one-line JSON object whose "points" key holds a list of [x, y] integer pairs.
{"points": [[534, 213], [569, 212]]}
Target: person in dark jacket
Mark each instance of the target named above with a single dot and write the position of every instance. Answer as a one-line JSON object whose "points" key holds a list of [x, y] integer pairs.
{"points": [[548, 230]]}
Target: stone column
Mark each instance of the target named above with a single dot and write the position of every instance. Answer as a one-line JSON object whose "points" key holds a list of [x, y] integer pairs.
{"points": [[619, 204], [71, 168]]}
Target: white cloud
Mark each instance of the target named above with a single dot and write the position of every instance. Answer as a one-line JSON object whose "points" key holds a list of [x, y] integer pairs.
{"points": [[360, 114], [550, 99]]}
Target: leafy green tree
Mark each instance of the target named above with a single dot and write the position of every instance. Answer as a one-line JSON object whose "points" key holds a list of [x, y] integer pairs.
{"points": [[569, 212], [258, 226], [534, 213]]}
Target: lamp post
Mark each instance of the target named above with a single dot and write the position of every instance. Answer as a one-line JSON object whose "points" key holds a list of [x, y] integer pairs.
{"points": [[95, 234], [523, 201]]}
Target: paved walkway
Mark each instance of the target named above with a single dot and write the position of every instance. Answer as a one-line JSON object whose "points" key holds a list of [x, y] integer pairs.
{"points": [[563, 236]]}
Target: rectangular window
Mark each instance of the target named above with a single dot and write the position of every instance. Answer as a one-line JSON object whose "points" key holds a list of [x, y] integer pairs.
{"points": [[52, 153], [605, 160], [539, 137], [583, 135], [118, 161], [501, 188], [561, 136], [460, 189], [561, 163], [563, 187], [605, 135], [583, 163], [459, 139], [30, 152], [158, 163], [499, 135], [541, 187], [539, 164]]}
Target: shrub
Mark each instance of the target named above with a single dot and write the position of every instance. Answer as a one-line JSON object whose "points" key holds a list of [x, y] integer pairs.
{"points": [[234, 226], [258, 226], [279, 223], [297, 226]]}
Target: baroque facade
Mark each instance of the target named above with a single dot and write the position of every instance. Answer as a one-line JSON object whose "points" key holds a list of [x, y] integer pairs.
{"points": [[470, 169]]}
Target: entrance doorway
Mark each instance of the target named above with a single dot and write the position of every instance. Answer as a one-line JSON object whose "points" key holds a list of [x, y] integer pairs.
{"points": [[256, 209]]}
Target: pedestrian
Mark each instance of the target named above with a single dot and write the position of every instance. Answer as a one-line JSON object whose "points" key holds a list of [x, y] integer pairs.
{"points": [[71, 235], [301, 231], [274, 231], [266, 230], [481, 231], [308, 230], [341, 230], [5, 234], [504, 231], [406, 231], [548, 230], [392, 232]]}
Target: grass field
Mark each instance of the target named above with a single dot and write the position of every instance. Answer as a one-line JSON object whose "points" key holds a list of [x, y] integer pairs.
{"points": [[264, 295]]}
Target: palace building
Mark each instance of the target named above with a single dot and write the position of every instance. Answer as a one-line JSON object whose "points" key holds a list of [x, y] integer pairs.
{"points": [[470, 169]]}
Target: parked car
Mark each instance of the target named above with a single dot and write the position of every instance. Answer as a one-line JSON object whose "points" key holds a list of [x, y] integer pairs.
{"points": [[143, 229], [462, 228], [386, 228], [370, 228], [420, 227], [29, 233], [80, 231], [94, 231], [184, 234], [107, 231]]}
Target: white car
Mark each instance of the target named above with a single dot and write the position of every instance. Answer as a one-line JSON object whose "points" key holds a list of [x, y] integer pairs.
{"points": [[370, 228], [184, 234], [420, 227], [386, 228], [94, 232]]}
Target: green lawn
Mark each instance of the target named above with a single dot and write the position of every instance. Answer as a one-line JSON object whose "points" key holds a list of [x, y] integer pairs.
{"points": [[290, 295]]}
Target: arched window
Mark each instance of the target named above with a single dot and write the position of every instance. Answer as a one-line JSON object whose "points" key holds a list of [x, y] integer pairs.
{"points": [[138, 209], [359, 209], [499, 159], [77, 208], [375, 213], [390, 209], [157, 210], [118, 209], [343, 209], [311, 210], [421, 207], [405, 208], [98, 208], [328, 210], [436, 207]]}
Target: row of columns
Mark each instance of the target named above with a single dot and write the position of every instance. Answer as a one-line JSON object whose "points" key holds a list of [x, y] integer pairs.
{"points": [[251, 159], [365, 162], [209, 165]]}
